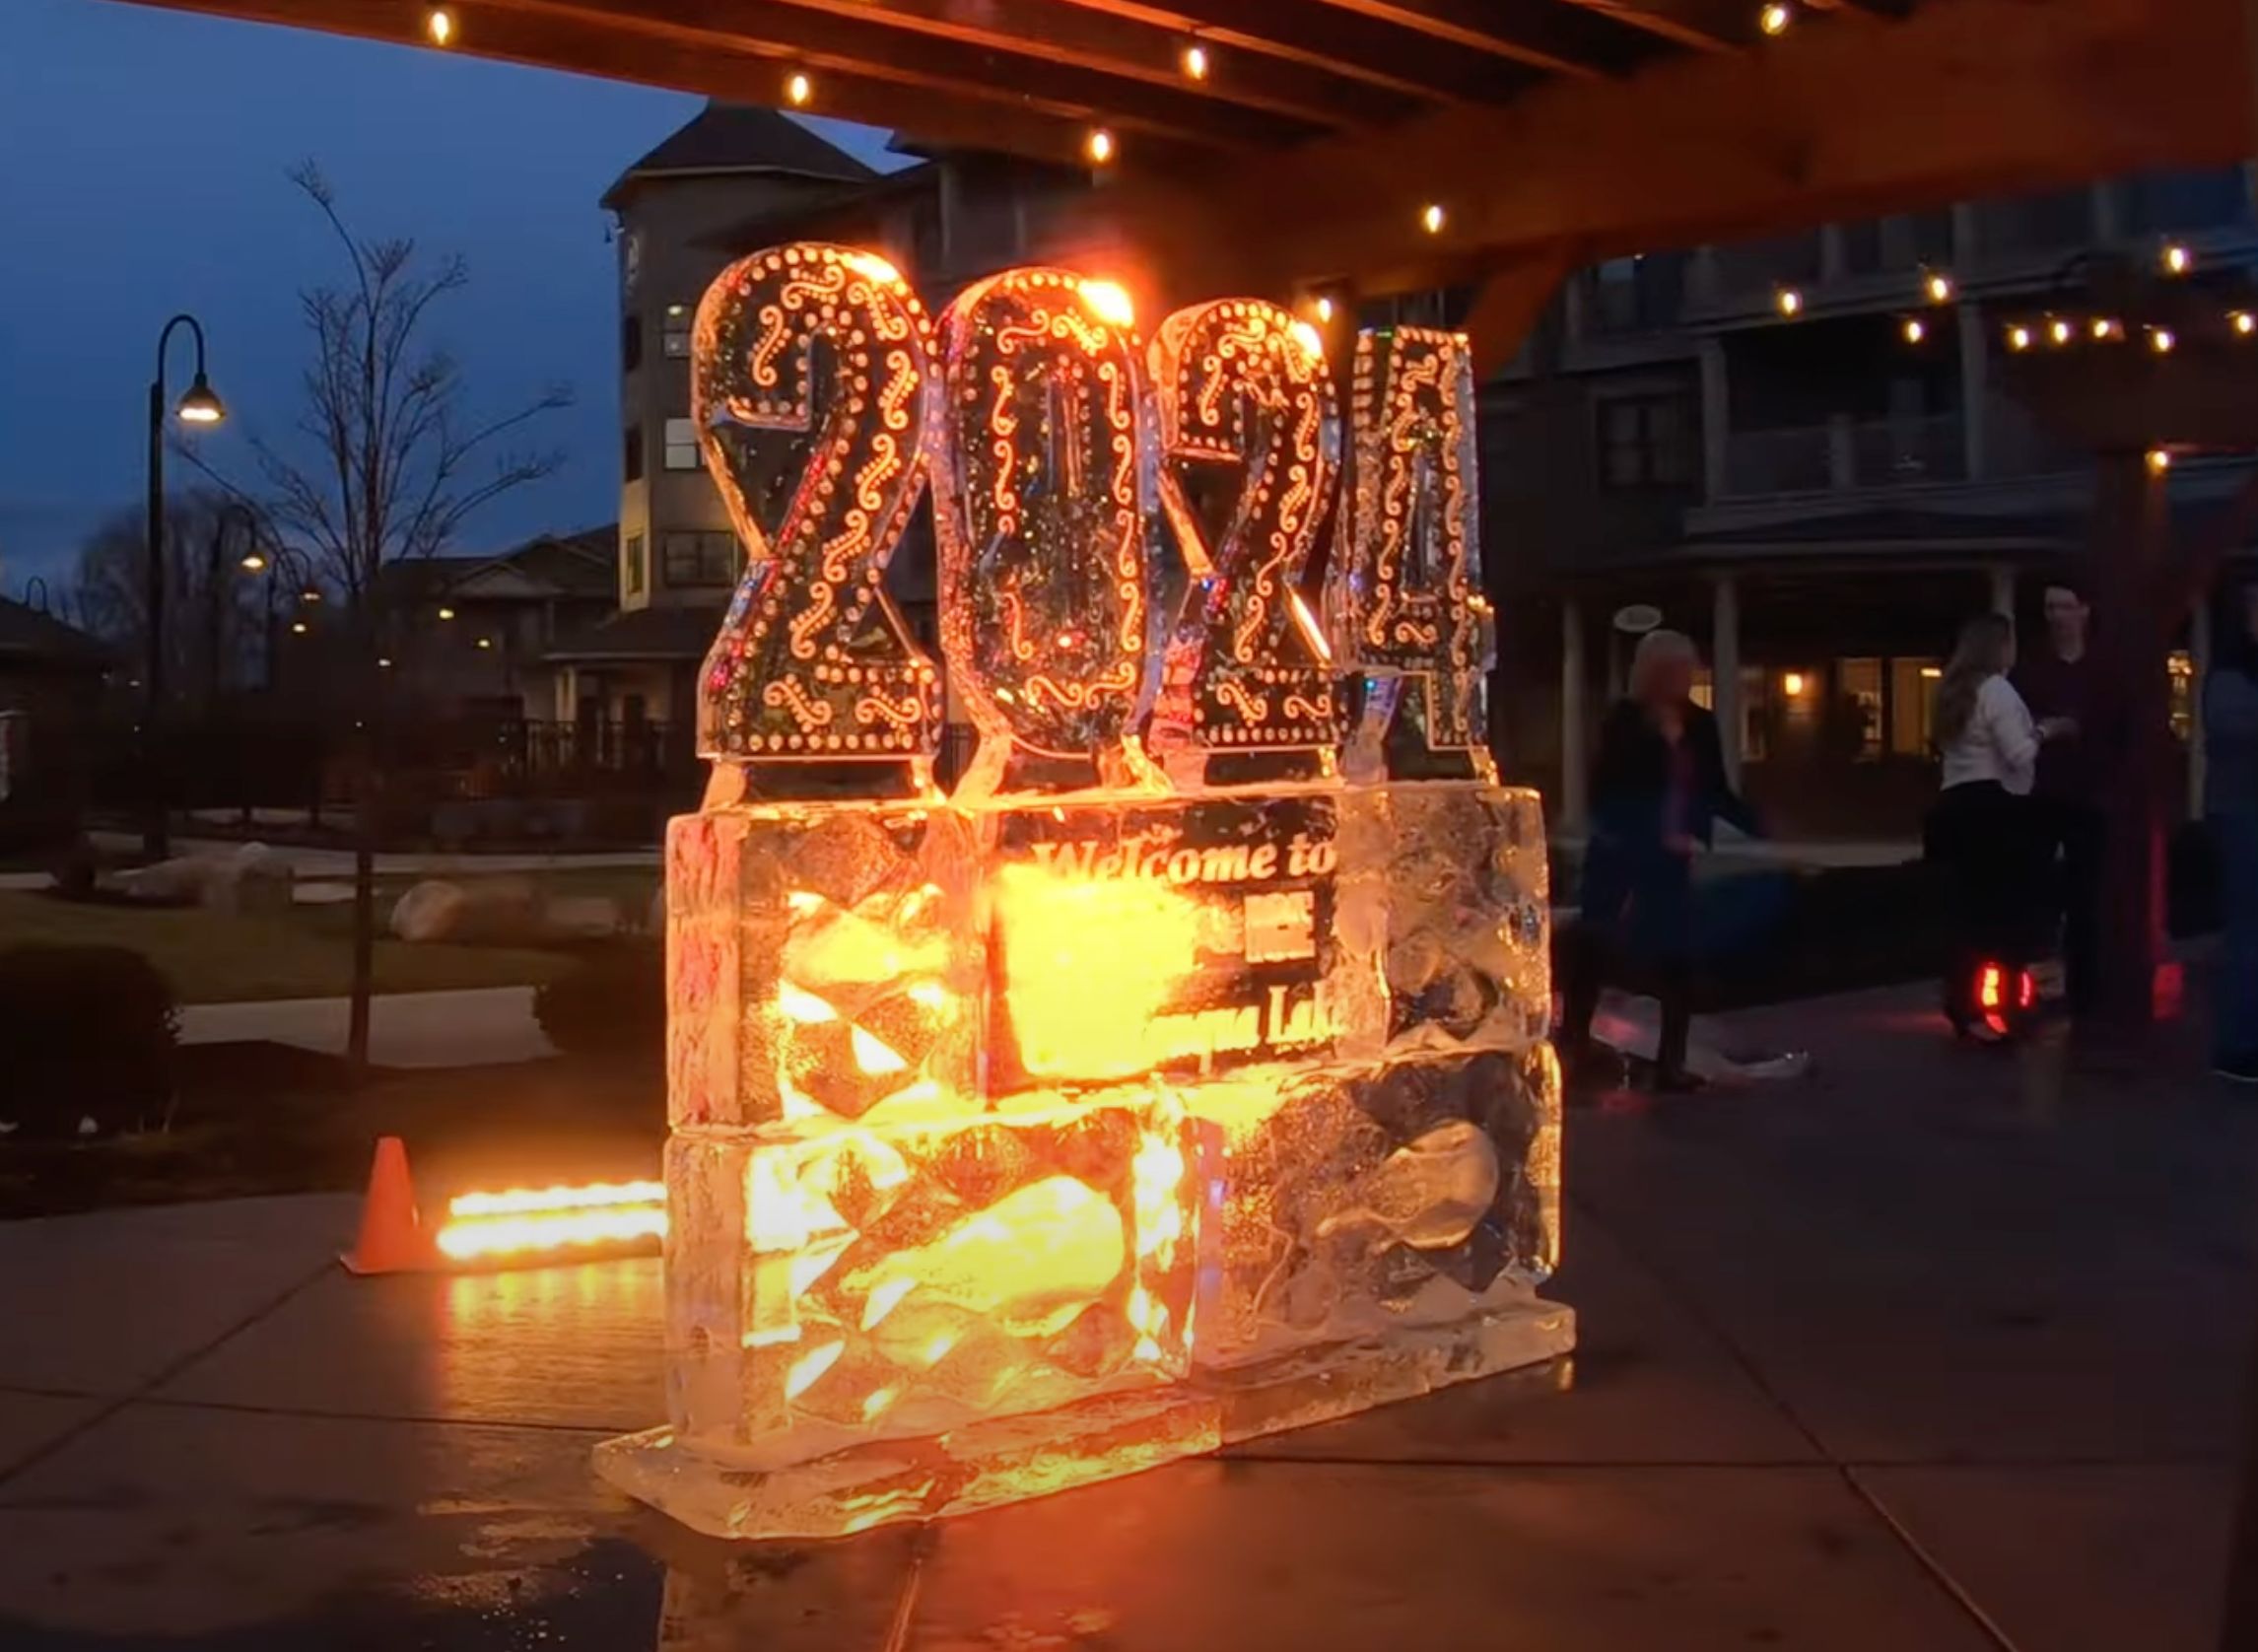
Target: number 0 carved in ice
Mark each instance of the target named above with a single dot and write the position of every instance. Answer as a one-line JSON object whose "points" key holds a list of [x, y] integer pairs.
{"points": [[1041, 493], [812, 392]]}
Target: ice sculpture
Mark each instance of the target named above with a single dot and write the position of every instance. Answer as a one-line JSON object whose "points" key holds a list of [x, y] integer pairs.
{"points": [[1176, 1080]]}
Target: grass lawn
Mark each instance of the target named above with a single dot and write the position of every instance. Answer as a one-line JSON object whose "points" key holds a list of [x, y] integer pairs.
{"points": [[214, 958]]}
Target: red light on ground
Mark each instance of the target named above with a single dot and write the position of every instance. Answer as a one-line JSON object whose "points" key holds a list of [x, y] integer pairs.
{"points": [[1991, 988], [2025, 990]]}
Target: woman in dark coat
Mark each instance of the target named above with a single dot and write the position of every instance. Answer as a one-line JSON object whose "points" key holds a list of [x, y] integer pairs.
{"points": [[1657, 789]]}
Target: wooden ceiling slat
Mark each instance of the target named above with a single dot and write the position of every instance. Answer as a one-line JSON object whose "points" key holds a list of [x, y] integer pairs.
{"points": [[1704, 25], [1129, 46], [1561, 38], [745, 72], [1341, 42], [1964, 98], [866, 42]]}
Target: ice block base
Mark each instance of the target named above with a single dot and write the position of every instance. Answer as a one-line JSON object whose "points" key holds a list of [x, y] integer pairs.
{"points": [[1004, 1460], [1320, 1384]]}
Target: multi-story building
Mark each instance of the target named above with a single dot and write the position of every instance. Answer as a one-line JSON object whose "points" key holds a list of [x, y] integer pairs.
{"points": [[731, 180], [1802, 452]]}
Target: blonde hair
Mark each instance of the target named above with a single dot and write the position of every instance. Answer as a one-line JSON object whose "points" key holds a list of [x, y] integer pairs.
{"points": [[1658, 651], [1978, 655]]}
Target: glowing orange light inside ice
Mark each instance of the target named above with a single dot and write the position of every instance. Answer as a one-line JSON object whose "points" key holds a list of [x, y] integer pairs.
{"points": [[809, 1366], [1061, 934], [1109, 302]]}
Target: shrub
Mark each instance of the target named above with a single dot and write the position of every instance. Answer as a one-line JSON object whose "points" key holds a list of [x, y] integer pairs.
{"points": [[85, 1032], [611, 1005]]}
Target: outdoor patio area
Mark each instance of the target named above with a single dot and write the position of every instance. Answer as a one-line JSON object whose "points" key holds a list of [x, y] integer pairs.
{"points": [[1876, 1361]]}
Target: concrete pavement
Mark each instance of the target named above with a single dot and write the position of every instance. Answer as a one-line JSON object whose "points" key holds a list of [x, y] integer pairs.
{"points": [[470, 1026], [1872, 1361]]}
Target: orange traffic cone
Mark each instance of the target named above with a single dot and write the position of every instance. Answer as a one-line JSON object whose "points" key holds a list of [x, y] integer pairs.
{"points": [[393, 1239]]}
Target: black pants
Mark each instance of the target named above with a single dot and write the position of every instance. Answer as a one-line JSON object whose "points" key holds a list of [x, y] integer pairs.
{"points": [[1636, 931], [2077, 831], [1982, 837]]}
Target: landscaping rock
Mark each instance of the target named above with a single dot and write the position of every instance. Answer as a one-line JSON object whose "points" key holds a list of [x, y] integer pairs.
{"points": [[502, 910], [583, 918]]}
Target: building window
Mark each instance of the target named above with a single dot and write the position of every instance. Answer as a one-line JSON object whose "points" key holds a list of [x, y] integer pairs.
{"points": [[699, 559], [1913, 707], [1646, 441], [674, 338], [630, 454], [635, 570], [629, 342], [630, 264], [682, 445]]}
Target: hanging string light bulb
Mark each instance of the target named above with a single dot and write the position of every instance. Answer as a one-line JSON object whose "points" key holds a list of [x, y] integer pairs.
{"points": [[1774, 17]]}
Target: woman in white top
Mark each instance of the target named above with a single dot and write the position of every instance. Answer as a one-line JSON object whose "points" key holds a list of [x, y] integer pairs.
{"points": [[1981, 830]]}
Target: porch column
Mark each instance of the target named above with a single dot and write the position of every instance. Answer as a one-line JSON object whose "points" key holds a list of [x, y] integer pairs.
{"points": [[1575, 803], [1975, 381], [2001, 576], [1724, 668], [2199, 651], [1716, 417]]}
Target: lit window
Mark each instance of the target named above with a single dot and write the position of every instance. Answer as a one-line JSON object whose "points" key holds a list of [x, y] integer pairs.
{"points": [[674, 338], [681, 445], [635, 565]]}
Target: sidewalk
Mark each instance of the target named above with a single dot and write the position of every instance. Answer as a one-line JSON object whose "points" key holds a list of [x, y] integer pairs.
{"points": [[473, 1026], [1870, 1364]]}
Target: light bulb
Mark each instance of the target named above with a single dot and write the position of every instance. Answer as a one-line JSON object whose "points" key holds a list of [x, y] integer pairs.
{"points": [[2177, 259], [2162, 340], [2019, 338], [1788, 302], [2160, 461], [1775, 17], [2107, 327], [1323, 310], [1431, 218], [1099, 145], [1938, 287], [439, 24], [1195, 61], [2059, 330], [1915, 329], [2245, 323], [798, 89]]}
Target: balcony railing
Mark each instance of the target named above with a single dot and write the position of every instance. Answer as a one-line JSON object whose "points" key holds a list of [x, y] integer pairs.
{"points": [[1846, 453]]}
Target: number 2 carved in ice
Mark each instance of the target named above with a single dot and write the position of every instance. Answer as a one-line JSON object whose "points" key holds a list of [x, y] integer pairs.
{"points": [[811, 392], [1241, 384]]}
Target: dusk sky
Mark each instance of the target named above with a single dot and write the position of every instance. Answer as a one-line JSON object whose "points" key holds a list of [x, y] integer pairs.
{"points": [[142, 160]]}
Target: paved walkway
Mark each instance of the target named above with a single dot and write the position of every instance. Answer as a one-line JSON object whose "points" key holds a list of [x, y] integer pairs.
{"points": [[471, 1026], [1876, 1362]]}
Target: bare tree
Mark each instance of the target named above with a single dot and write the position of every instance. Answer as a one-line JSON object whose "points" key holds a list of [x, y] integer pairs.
{"points": [[391, 463], [212, 612], [388, 466]]}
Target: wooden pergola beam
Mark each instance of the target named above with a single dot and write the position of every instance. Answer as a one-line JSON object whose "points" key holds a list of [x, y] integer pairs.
{"points": [[734, 70], [1339, 41], [1964, 98], [1564, 38]]}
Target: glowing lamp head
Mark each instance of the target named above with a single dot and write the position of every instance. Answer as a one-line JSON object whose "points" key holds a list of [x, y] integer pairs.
{"points": [[1795, 682], [1099, 146], [1938, 287], [439, 24], [1109, 302], [2159, 460], [2018, 338], [253, 560], [2162, 340], [2059, 331], [1194, 61], [201, 405], [798, 89], [1323, 308], [1774, 17], [1915, 329], [309, 595], [1431, 218], [297, 628], [2177, 259], [1788, 301], [2243, 322], [486, 642], [2107, 328], [446, 613]]}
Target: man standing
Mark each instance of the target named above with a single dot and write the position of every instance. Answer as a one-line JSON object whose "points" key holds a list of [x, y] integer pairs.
{"points": [[2057, 682]]}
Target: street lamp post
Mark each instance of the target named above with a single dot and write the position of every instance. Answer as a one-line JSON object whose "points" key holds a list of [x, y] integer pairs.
{"points": [[199, 406]]}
